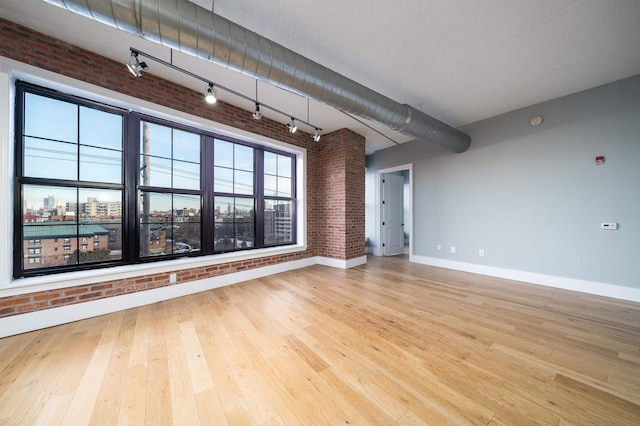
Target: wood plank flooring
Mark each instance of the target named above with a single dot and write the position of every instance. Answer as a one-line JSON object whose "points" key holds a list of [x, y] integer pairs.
{"points": [[386, 343]]}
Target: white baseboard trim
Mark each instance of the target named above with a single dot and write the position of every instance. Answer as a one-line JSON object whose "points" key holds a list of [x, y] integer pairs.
{"points": [[30, 321], [589, 287], [342, 264], [45, 318]]}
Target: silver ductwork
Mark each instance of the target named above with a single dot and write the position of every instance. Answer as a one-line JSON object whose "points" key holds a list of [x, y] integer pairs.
{"points": [[189, 28]]}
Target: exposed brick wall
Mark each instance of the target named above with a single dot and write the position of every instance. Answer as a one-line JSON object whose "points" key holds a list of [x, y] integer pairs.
{"points": [[342, 217], [341, 210], [355, 199]]}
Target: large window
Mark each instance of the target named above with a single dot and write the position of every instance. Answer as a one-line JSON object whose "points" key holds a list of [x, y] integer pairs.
{"points": [[100, 186], [70, 180], [235, 198], [170, 196], [278, 205]]}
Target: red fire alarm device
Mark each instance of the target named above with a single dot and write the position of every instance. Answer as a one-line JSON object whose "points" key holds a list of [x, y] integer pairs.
{"points": [[600, 159]]}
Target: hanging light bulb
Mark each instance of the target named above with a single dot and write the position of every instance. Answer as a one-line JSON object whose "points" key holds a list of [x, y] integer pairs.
{"points": [[256, 113], [210, 95]]}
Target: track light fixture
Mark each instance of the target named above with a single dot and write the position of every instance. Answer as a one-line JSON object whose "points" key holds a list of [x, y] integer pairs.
{"points": [[256, 113], [210, 95], [136, 67], [292, 126]]}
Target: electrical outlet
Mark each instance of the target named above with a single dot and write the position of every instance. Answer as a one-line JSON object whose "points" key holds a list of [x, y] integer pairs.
{"points": [[453, 249], [481, 252], [173, 278], [439, 247]]}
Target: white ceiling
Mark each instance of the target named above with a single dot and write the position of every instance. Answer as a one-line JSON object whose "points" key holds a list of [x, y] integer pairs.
{"points": [[457, 60]]}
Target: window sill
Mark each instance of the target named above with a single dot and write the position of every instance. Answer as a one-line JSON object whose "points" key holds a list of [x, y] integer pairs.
{"points": [[72, 279]]}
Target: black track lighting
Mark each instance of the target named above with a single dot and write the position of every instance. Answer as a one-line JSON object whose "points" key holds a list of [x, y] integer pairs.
{"points": [[256, 112], [292, 126], [210, 95], [136, 67]]}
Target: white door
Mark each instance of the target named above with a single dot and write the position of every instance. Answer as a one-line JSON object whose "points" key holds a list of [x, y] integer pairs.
{"points": [[392, 214]]}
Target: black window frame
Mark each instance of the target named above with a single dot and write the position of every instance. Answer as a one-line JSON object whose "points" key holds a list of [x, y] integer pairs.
{"points": [[131, 186], [135, 246], [238, 195]]}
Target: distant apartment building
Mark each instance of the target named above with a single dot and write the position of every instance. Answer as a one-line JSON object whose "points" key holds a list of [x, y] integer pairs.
{"points": [[95, 208], [277, 223], [55, 244]]}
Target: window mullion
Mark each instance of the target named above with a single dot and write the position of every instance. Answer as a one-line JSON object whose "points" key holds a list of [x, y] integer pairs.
{"points": [[259, 197], [78, 145], [208, 203], [19, 208], [131, 231]]}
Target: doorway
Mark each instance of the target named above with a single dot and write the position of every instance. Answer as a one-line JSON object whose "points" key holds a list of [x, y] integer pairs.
{"points": [[395, 218]]}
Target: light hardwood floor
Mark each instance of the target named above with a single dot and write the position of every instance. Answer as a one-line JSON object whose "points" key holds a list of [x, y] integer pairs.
{"points": [[386, 343]]}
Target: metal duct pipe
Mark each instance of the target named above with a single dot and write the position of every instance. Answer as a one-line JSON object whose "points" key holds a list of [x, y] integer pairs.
{"points": [[189, 28]]}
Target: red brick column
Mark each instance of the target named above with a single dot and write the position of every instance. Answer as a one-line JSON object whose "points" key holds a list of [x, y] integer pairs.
{"points": [[341, 204]]}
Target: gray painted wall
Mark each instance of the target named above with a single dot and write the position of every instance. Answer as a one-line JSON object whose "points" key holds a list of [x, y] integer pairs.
{"points": [[533, 197]]}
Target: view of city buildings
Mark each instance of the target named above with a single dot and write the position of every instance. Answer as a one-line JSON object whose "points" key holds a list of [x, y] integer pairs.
{"points": [[61, 232], [234, 223], [58, 232], [165, 232], [277, 222]]}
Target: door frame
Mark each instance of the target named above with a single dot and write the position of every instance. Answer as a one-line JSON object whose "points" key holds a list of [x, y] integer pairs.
{"points": [[408, 202]]}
